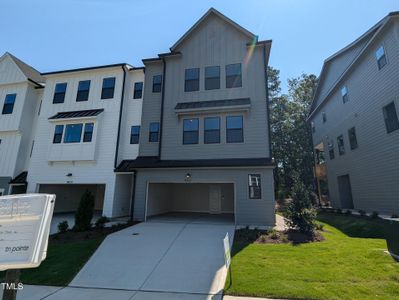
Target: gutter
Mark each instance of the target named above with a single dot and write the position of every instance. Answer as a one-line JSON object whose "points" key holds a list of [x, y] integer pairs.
{"points": [[162, 108], [120, 118], [133, 197], [267, 100]]}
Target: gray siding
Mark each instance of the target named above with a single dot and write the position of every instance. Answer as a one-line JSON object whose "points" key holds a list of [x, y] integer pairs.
{"points": [[4, 184], [373, 167]]}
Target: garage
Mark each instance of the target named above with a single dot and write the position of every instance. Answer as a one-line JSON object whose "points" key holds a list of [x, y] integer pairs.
{"points": [[193, 198]]}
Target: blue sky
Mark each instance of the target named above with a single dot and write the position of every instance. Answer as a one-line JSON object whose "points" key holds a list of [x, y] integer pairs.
{"points": [[61, 34]]}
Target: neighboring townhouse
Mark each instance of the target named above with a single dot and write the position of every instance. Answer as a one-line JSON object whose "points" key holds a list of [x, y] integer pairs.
{"points": [[21, 88], [83, 133], [204, 136], [354, 117]]}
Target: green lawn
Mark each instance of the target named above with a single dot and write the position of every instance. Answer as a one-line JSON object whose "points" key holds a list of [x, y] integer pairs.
{"points": [[349, 264]]}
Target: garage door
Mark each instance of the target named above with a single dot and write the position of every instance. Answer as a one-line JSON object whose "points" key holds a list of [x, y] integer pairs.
{"points": [[214, 198]]}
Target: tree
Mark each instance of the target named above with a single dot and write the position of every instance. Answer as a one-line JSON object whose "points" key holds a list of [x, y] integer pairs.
{"points": [[85, 212]]}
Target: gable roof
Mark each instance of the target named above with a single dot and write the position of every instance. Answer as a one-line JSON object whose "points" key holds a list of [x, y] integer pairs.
{"points": [[342, 62], [212, 12], [31, 73]]}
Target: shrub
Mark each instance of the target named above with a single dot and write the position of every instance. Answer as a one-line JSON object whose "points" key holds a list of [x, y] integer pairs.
{"points": [[263, 238], [85, 212], [348, 212], [394, 216], [362, 213], [338, 211], [274, 234], [100, 223], [63, 226], [301, 213], [319, 226], [374, 214]]}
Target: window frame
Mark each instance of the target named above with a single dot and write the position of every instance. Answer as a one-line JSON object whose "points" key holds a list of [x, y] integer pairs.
{"points": [[231, 80], [157, 86], [84, 92], [344, 94], [382, 60], [352, 136], [152, 133], [8, 106], [73, 141], [255, 195], [331, 150], [136, 90], [108, 92], [192, 84], [209, 79], [133, 136], [88, 133], [196, 132], [57, 98], [229, 140], [341, 145], [212, 130], [395, 122], [56, 135]]}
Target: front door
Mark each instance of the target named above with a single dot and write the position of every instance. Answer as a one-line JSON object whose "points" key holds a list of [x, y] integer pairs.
{"points": [[215, 199], [345, 192]]}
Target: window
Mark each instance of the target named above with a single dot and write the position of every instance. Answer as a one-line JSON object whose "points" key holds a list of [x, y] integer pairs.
{"points": [[58, 134], [391, 117], [233, 76], [341, 146], [212, 130], [255, 191], [9, 104], [212, 78], [191, 80], [331, 152], [313, 127], [88, 132], [190, 131], [154, 132], [83, 90], [381, 58], [157, 84], [138, 90], [73, 133], [324, 116], [344, 94], [134, 134], [108, 88], [352, 138], [234, 129], [59, 92]]}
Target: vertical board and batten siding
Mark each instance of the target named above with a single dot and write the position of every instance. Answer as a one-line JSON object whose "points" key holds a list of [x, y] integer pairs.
{"points": [[9, 72], [247, 211], [99, 171], [373, 166]]}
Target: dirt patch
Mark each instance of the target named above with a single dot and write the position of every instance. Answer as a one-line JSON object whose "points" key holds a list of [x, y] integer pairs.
{"points": [[74, 236], [276, 237]]}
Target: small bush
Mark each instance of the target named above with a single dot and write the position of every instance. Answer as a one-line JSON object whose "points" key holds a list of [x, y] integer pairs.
{"points": [[348, 212], [319, 226], [284, 239], [63, 226], [338, 211], [100, 223], [274, 234], [263, 238], [374, 215], [394, 216], [85, 212], [362, 212]]}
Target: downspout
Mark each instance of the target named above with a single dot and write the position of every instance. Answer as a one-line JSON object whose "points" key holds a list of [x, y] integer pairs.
{"points": [[162, 109], [120, 118], [267, 101], [133, 197]]}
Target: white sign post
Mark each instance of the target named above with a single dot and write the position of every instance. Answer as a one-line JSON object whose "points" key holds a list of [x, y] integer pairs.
{"points": [[24, 230], [227, 255]]}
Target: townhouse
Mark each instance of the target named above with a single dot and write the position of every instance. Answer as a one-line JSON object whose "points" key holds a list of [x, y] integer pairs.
{"points": [[354, 117]]}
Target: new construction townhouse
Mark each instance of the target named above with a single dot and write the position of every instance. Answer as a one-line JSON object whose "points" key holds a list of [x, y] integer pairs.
{"points": [[355, 124], [188, 132]]}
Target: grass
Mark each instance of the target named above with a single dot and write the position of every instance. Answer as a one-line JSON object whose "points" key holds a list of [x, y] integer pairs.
{"points": [[349, 264]]}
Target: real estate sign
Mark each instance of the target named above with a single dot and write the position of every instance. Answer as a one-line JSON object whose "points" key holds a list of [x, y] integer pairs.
{"points": [[227, 254], [24, 229]]}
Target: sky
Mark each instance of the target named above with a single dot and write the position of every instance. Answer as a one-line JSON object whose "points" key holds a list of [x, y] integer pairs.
{"points": [[54, 35]]}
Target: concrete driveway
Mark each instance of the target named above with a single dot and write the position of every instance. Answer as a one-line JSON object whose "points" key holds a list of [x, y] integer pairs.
{"points": [[165, 258]]}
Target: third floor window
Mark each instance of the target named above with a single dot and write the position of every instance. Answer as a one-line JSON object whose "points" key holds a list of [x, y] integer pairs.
{"points": [[157, 84], [59, 92], [191, 80], [138, 90], [212, 78], [83, 90], [108, 88], [233, 76], [8, 106]]}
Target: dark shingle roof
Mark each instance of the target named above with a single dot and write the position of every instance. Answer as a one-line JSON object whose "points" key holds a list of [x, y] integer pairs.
{"points": [[213, 103], [20, 178], [77, 114]]}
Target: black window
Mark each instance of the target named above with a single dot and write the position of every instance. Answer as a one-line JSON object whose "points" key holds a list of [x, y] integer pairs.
{"points": [[341, 146], [134, 134], [59, 92], [190, 131], [352, 138], [381, 57], [234, 129], [233, 76], [212, 130], [138, 90], [324, 117], [191, 80], [88, 132], [344, 94], [9, 104], [58, 134], [212, 78], [255, 191], [331, 152], [391, 117], [157, 84], [154, 132], [73, 132], [83, 90], [108, 88]]}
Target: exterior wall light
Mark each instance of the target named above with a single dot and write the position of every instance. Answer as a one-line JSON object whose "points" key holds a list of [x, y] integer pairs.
{"points": [[69, 175], [188, 177]]}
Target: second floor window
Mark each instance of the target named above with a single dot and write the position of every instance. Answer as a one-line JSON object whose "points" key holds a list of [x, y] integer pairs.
{"points": [[212, 78], [324, 116], [313, 126], [233, 76], [73, 133], [255, 191], [138, 90], [234, 129], [58, 134], [331, 152], [88, 132], [391, 117], [190, 131], [344, 94], [381, 57], [352, 138], [157, 84], [134, 135], [154, 132], [212, 130], [108, 88], [341, 145], [8, 106], [59, 92], [191, 80], [83, 90]]}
